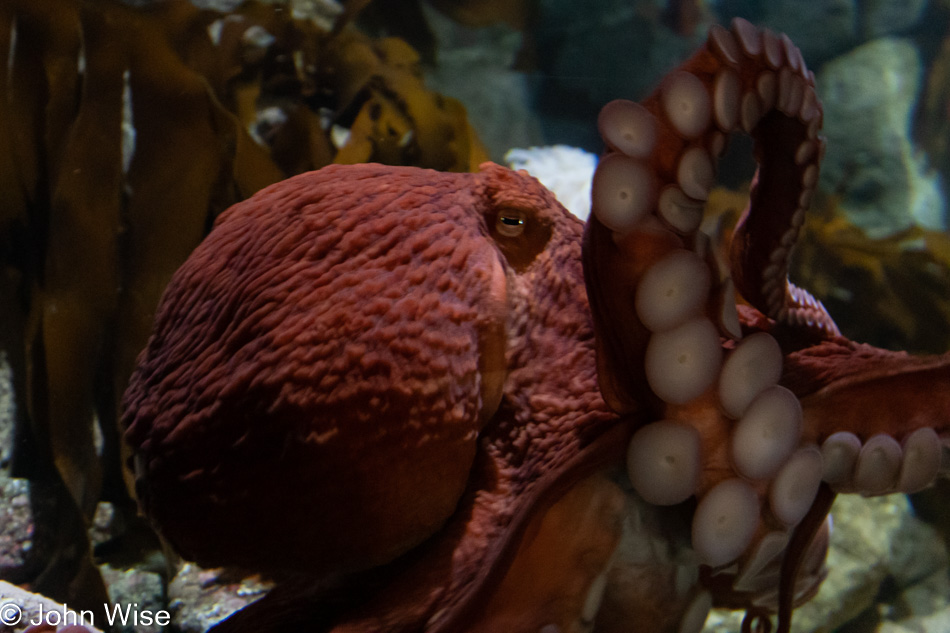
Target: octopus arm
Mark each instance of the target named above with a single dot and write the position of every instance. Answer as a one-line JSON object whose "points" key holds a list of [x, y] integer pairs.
{"points": [[742, 407]]}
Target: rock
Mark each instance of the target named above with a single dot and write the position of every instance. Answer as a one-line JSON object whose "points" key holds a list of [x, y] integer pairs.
{"points": [[26, 512], [873, 540], [589, 53], [869, 97], [937, 622], [920, 607], [566, 171], [474, 65], [139, 592], [199, 598], [7, 414], [823, 30], [18, 607], [820, 29], [106, 524], [889, 17], [16, 529]]}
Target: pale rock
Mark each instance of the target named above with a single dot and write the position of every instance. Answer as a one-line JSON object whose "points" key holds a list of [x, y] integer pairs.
{"points": [[869, 98]]}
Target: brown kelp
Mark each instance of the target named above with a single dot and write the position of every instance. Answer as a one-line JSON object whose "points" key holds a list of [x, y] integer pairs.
{"points": [[123, 132]]}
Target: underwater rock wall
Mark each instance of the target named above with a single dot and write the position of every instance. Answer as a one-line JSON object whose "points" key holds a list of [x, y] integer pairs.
{"points": [[477, 67], [870, 97]]}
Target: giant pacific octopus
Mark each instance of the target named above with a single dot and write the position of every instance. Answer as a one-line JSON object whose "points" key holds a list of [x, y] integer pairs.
{"points": [[386, 387]]}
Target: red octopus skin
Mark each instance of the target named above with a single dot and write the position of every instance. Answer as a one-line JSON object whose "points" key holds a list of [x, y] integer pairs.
{"points": [[357, 357], [291, 414]]}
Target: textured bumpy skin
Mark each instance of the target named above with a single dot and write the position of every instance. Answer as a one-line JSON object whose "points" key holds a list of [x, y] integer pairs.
{"points": [[355, 357], [319, 330]]}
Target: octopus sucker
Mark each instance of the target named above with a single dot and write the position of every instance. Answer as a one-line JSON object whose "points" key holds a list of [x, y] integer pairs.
{"points": [[754, 365], [686, 103], [878, 465], [663, 462], [766, 86], [695, 174], [680, 212], [922, 453], [750, 112], [625, 188], [726, 95], [881, 464], [795, 486], [683, 362], [767, 433], [839, 455], [726, 519], [628, 127], [673, 290], [784, 417]]}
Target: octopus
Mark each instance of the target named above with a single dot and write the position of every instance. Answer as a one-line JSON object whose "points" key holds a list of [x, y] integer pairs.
{"points": [[437, 402]]}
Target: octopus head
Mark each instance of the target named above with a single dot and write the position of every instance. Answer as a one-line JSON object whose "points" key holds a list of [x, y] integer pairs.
{"points": [[322, 365]]}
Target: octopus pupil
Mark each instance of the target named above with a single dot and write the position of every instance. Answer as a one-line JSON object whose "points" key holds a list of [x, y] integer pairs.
{"points": [[510, 224]]}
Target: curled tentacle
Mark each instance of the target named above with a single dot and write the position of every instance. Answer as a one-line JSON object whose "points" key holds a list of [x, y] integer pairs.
{"points": [[652, 183], [756, 620], [671, 344], [797, 552]]}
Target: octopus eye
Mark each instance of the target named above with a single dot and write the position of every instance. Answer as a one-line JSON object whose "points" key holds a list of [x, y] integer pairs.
{"points": [[521, 234], [510, 223]]}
